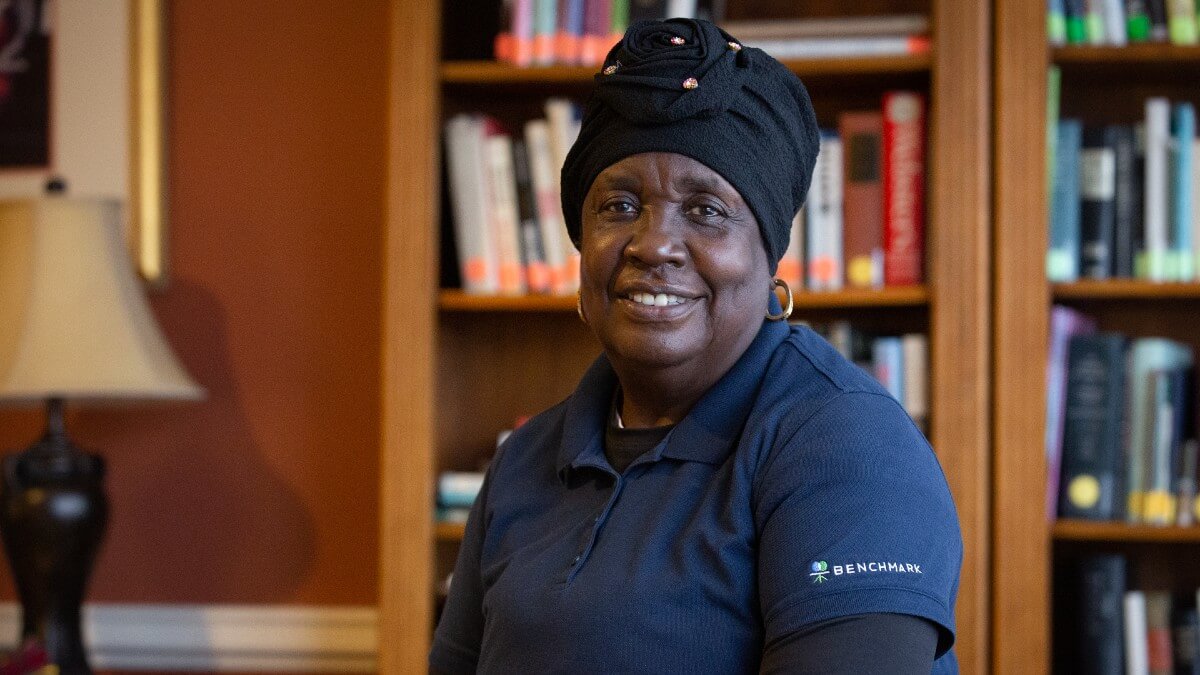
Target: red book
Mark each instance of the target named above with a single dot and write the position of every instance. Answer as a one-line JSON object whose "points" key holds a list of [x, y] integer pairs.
{"points": [[862, 212], [903, 188]]}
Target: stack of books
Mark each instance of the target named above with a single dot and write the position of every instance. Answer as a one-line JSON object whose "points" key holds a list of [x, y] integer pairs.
{"points": [[862, 225], [1124, 200], [1121, 22], [839, 37], [1119, 425], [504, 194], [1116, 629], [580, 32]]}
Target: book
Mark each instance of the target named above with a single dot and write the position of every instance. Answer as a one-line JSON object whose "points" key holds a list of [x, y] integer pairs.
{"points": [[842, 47], [1137, 21], [1166, 408], [544, 181], [620, 21], [915, 359], [537, 273], [545, 31], [1185, 640], [862, 240], [681, 8], [1056, 23], [887, 355], [459, 488], [1195, 197], [1062, 260], [1053, 104], [597, 23], [522, 33], [1137, 659], [874, 25], [903, 188], [466, 174], [1157, 11], [1114, 23], [1099, 617], [1092, 449], [649, 9], [1093, 21], [1076, 18], [1097, 190], [563, 123], [1152, 264], [1147, 355], [823, 217], [1181, 266], [1181, 22], [791, 265], [1159, 654], [1065, 323], [1186, 484], [1127, 201], [570, 31]]}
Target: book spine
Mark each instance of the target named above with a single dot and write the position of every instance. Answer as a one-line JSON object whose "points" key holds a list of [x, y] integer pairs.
{"points": [[1053, 105], [1099, 617], [504, 222], [791, 265], [503, 47], [862, 251], [1097, 189], [468, 198], [1076, 15], [1092, 453], [1126, 201], [1137, 659], [1195, 196], [1062, 261], [545, 30], [560, 114], [522, 46], [1065, 323], [620, 21], [1181, 22], [1146, 356], [1185, 483], [1157, 11], [824, 217], [533, 257], [887, 355], [684, 9], [1094, 21], [1114, 23], [647, 9], [546, 201], [915, 358], [597, 23], [1185, 640], [1153, 264], [1137, 21], [1182, 175], [459, 488], [903, 188], [843, 47], [1056, 23], [1159, 655], [570, 31]]}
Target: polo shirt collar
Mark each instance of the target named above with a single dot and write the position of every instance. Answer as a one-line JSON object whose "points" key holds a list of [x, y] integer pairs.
{"points": [[706, 434]]}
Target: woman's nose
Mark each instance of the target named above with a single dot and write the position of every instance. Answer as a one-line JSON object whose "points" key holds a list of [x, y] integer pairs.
{"points": [[657, 239]]}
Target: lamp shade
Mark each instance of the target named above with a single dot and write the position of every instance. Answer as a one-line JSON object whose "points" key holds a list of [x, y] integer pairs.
{"points": [[74, 321]]}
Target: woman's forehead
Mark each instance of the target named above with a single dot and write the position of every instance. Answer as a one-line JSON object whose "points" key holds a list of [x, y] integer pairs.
{"points": [[678, 171]]}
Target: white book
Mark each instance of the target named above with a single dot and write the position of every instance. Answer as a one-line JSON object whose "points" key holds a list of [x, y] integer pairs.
{"points": [[685, 9], [466, 170], [836, 47], [916, 376], [1196, 204], [1093, 10], [1156, 200], [823, 217], [791, 265], [549, 206], [564, 129], [505, 221], [1115, 32], [1137, 657]]}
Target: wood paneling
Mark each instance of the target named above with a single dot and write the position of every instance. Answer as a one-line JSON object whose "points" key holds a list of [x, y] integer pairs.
{"points": [[1020, 555]]}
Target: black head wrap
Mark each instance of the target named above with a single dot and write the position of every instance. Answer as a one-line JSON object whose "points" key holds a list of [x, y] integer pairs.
{"points": [[688, 87]]}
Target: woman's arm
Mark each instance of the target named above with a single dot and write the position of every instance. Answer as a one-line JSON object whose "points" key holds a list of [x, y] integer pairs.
{"points": [[895, 644]]}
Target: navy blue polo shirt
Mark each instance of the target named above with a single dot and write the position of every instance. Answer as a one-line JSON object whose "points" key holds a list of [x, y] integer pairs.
{"points": [[795, 491]]}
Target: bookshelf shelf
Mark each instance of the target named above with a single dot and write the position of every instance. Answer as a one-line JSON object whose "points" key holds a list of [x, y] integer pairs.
{"points": [[1125, 289], [491, 72], [1098, 531], [899, 296], [1130, 54], [451, 532]]}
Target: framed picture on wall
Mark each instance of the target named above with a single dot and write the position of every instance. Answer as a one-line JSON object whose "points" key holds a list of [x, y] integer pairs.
{"points": [[82, 100]]}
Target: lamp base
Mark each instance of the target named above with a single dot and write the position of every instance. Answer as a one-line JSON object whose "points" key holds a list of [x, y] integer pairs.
{"points": [[53, 512]]}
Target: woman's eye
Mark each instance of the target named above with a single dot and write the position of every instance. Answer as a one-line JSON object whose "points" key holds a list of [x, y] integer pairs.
{"points": [[621, 206], [706, 211]]}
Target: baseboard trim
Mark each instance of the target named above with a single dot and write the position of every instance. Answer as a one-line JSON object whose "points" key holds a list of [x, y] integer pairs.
{"points": [[265, 638]]}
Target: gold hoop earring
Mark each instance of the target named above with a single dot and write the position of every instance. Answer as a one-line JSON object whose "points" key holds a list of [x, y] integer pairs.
{"points": [[787, 309], [579, 306]]}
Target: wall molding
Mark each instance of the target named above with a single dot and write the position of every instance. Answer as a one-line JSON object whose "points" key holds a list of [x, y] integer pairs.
{"points": [[267, 638]]}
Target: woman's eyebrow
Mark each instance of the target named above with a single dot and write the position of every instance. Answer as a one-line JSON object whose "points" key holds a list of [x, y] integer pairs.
{"points": [[618, 181], [700, 183]]}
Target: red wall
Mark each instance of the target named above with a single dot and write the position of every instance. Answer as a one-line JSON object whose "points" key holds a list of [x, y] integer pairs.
{"points": [[267, 491]]}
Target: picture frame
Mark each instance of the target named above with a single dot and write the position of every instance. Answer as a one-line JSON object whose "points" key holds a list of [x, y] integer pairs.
{"points": [[106, 119]]}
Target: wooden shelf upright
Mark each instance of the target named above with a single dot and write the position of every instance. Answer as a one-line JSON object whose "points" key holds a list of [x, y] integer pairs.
{"points": [[527, 353]]}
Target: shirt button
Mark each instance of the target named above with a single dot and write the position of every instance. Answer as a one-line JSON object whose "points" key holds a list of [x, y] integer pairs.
{"points": [[576, 560]]}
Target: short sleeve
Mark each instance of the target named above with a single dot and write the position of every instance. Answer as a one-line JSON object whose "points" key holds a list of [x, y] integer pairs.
{"points": [[459, 633], [854, 517]]}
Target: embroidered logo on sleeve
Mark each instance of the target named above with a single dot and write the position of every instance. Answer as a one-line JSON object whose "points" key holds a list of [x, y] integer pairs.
{"points": [[821, 569]]}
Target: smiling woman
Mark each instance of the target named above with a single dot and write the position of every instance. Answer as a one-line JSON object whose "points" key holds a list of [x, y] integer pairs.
{"points": [[722, 492]]}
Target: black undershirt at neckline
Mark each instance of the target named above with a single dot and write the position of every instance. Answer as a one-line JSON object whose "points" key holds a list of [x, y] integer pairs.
{"points": [[623, 446]]}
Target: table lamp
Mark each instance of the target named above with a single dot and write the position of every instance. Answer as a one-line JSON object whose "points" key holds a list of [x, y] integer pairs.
{"points": [[74, 325]]}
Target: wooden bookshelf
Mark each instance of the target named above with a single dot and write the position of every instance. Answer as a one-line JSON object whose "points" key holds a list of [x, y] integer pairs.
{"points": [[1142, 54], [1099, 531], [450, 532], [899, 296], [492, 73], [531, 351]]}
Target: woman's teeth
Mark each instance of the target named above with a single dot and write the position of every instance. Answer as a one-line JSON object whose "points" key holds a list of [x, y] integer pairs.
{"points": [[659, 300]]}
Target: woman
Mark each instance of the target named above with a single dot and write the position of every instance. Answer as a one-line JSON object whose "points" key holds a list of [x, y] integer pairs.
{"points": [[722, 492]]}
